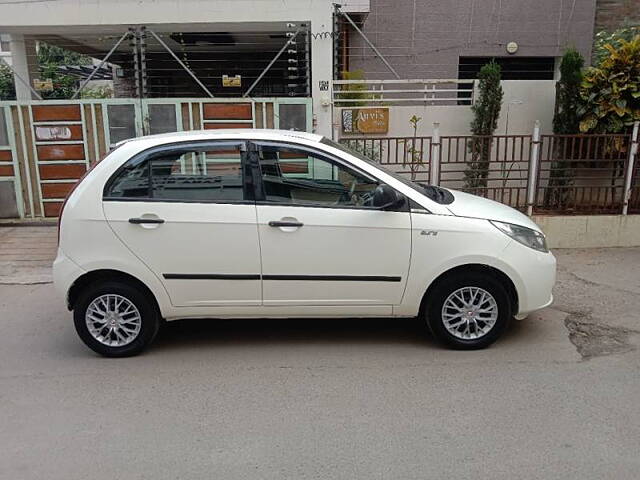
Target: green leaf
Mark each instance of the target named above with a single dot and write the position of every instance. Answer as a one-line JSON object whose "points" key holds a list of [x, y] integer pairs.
{"points": [[588, 124], [621, 103]]}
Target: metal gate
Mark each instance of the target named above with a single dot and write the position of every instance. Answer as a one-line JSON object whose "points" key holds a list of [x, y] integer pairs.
{"points": [[46, 146]]}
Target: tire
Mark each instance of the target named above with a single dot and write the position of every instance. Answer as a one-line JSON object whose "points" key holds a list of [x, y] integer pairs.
{"points": [[488, 325], [140, 319]]}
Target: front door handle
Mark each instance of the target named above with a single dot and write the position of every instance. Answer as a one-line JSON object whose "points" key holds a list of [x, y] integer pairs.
{"points": [[139, 220], [274, 223]]}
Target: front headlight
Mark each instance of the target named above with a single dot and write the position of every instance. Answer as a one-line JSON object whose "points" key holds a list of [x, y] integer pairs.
{"points": [[526, 236]]}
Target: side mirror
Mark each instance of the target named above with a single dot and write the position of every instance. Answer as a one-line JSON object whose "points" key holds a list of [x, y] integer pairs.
{"points": [[385, 197]]}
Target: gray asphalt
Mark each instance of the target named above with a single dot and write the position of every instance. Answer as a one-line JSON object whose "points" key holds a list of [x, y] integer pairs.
{"points": [[331, 399]]}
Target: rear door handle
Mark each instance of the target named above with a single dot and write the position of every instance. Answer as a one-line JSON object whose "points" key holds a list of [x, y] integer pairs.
{"points": [[274, 223], [139, 221]]}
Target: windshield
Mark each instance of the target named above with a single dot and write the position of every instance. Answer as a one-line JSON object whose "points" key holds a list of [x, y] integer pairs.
{"points": [[437, 194]]}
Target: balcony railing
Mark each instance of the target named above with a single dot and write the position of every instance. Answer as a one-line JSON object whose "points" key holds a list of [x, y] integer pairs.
{"points": [[349, 93]]}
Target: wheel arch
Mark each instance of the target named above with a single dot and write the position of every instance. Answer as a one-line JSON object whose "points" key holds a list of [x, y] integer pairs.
{"points": [[496, 273], [103, 275]]}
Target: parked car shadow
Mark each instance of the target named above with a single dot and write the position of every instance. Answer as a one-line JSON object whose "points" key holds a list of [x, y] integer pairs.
{"points": [[290, 331], [185, 334]]}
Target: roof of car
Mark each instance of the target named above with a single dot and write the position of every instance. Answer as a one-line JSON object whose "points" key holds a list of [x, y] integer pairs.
{"points": [[259, 134]]}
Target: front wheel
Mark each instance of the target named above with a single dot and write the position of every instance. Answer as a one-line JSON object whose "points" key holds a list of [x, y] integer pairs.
{"points": [[468, 311], [115, 319]]}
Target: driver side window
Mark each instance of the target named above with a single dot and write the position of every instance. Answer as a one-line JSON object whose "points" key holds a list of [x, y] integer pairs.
{"points": [[299, 177]]}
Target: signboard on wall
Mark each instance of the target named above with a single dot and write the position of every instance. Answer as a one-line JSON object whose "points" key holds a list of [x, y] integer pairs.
{"points": [[365, 120], [235, 81], [53, 132], [43, 85]]}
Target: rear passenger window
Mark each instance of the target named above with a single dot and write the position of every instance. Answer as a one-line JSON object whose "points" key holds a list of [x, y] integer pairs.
{"points": [[207, 174]]}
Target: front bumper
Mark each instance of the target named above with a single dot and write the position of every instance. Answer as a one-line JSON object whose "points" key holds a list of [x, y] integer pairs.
{"points": [[534, 275]]}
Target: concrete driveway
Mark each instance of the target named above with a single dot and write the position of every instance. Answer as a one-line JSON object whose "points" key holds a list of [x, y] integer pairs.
{"points": [[26, 254], [272, 399]]}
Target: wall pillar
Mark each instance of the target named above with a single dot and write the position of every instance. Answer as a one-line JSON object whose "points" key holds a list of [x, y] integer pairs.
{"points": [[24, 64], [322, 67]]}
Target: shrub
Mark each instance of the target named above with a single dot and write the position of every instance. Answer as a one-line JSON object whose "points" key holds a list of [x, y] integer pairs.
{"points": [[7, 88], [486, 112], [610, 91], [565, 121], [614, 39]]}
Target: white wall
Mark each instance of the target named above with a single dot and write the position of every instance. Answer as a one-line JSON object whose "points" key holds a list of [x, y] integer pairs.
{"points": [[23, 64], [61, 13], [525, 101], [590, 231]]}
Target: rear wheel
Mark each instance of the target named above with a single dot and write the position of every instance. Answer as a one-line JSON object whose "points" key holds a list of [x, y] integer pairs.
{"points": [[115, 319], [468, 311]]}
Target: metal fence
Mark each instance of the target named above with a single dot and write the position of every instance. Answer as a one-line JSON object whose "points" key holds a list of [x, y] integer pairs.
{"points": [[633, 204], [582, 173], [45, 146], [407, 156], [555, 174], [495, 167]]}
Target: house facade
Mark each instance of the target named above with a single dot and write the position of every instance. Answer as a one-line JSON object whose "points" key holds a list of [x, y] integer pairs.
{"points": [[267, 64], [433, 39]]}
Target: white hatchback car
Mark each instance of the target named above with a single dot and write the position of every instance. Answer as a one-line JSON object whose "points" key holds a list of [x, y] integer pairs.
{"points": [[264, 223]]}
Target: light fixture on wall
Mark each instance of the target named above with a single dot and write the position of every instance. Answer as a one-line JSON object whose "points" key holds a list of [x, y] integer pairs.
{"points": [[512, 47]]}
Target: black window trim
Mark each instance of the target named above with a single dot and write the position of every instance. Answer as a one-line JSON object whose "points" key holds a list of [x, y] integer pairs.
{"points": [[147, 155], [260, 196]]}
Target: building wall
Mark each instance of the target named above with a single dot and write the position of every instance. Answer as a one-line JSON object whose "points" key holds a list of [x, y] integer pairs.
{"points": [[614, 14], [424, 38], [94, 16]]}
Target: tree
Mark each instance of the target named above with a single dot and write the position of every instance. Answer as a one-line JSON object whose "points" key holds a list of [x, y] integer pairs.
{"points": [[486, 111], [565, 121], [7, 88], [610, 91], [416, 153], [50, 58]]}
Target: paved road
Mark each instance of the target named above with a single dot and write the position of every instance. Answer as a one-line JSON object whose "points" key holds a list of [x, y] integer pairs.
{"points": [[331, 399]]}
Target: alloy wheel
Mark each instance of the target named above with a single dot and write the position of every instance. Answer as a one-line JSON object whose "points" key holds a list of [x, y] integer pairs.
{"points": [[469, 313], [113, 320]]}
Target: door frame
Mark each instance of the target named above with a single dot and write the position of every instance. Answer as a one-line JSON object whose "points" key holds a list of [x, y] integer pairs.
{"points": [[366, 309], [145, 158], [252, 149]]}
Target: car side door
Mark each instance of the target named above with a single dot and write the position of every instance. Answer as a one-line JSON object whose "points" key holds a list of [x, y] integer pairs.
{"points": [[322, 242], [187, 212]]}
